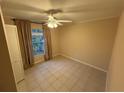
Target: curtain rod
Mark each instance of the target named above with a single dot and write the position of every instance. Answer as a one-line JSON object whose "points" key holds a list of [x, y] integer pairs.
{"points": [[28, 20], [37, 22]]}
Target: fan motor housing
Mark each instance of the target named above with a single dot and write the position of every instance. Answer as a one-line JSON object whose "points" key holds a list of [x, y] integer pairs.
{"points": [[54, 11]]}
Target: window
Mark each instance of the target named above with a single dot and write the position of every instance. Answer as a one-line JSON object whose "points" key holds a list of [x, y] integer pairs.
{"points": [[37, 42]]}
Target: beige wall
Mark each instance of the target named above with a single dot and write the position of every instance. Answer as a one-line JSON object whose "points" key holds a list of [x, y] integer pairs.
{"points": [[7, 81], [116, 70], [90, 42], [55, 42]]}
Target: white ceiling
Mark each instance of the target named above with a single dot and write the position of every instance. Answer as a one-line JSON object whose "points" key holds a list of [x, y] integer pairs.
{"points": [[75, 10]]}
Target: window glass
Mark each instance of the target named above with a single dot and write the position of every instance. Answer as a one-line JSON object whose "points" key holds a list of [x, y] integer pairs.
{"points": [[37, 41]]}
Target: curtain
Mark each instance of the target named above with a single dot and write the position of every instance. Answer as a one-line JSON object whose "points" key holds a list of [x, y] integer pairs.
{"points": [[25, 40], [48, 46]]}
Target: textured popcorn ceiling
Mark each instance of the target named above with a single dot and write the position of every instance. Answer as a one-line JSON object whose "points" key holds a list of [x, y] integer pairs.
{"points": [[75, 10]]}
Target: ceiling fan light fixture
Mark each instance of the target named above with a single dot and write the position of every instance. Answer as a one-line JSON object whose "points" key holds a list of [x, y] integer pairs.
{"points": [[52, 25], [52, 22], [55, 25]]}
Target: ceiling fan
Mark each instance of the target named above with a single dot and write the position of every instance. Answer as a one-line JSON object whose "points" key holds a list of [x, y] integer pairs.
{"points": [[53, 22]]}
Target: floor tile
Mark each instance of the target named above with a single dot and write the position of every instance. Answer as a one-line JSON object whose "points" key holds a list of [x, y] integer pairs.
{"points": [[62, 75]]}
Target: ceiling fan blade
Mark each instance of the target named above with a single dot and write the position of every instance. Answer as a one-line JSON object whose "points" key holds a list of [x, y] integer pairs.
{"points": [[59, 24], [67, 21], [46, 22]]}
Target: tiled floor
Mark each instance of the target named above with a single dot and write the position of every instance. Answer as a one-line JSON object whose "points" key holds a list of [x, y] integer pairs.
{"points": [[62, 74]]}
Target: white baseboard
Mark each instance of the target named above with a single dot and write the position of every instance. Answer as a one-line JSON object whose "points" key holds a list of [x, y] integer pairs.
{"points": [[83, 62]]}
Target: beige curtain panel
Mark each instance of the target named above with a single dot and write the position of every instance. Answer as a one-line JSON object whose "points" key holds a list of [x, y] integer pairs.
{"points": [[25, 39], [48, 46]]}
